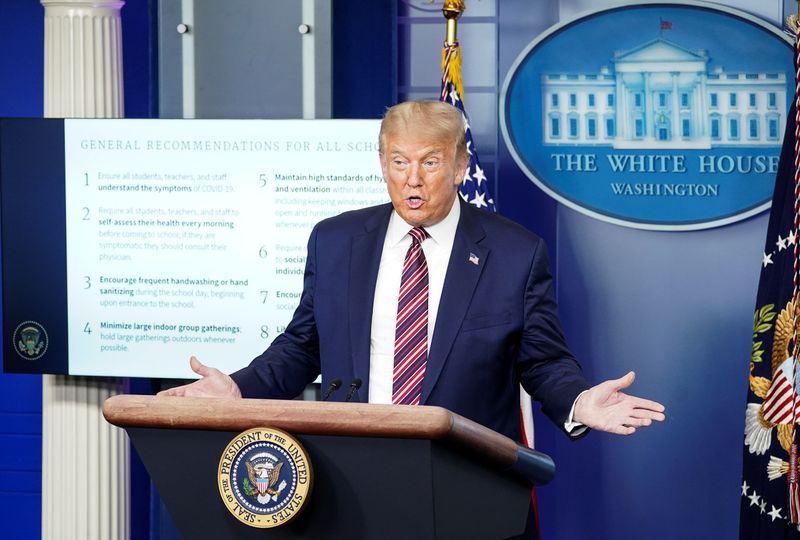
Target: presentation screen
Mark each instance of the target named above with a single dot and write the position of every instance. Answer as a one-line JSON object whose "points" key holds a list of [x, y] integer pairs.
{"points": [[130, 245]]}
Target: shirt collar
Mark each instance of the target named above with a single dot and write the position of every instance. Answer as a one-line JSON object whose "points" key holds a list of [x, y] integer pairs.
{"points": [[442, 233]]}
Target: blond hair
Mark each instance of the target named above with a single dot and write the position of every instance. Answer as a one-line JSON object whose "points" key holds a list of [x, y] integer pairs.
{"points": [[435, 120]]}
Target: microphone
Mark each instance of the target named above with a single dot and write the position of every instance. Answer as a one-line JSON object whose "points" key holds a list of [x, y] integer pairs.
{"points": [[334, 386], [355, 385]]}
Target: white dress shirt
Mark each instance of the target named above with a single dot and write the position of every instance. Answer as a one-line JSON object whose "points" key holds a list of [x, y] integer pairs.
{"points": [[437, 250]]}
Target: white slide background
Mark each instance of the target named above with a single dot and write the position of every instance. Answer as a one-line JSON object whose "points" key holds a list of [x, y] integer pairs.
{"points": [[188, 237]]}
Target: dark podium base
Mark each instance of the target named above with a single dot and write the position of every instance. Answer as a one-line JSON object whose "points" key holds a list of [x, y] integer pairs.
{"points": [[364, 488]]}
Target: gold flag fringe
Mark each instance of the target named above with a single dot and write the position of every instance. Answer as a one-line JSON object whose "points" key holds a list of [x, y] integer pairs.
{"points": [[451, 67]]}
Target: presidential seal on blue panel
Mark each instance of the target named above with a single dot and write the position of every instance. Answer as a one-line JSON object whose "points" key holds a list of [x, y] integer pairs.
{"points": [[30, 340], [663, 116], [264, 477]]}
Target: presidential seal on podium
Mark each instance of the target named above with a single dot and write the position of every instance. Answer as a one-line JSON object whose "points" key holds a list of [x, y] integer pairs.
{"points": [[264, 477]]}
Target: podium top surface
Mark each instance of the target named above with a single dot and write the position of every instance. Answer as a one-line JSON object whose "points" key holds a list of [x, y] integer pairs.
{"points": [[313, 418], [329, 418]]}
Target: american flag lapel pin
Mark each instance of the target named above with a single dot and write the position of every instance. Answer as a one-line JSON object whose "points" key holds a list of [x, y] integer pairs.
{"points": [[474, 259]]}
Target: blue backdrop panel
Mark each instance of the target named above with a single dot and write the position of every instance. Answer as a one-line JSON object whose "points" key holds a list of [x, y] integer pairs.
{"points": [[20, 456], [676, 307], [21, 64]]}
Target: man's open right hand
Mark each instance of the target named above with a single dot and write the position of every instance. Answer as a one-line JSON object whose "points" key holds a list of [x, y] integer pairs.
{"points": [[213, 383]]}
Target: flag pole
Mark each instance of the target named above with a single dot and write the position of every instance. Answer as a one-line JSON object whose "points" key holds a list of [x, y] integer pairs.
{"points": [[452, 10], [794, 474], [451, 56]]}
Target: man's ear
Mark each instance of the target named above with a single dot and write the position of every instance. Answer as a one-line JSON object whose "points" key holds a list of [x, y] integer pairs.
{"points": [[462, 169]]}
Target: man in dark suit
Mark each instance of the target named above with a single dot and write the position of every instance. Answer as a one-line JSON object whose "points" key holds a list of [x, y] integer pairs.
{"points": [[482, 315]]}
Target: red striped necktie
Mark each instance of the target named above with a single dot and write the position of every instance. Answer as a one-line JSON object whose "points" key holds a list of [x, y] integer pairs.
{"points": [[411, 334]]}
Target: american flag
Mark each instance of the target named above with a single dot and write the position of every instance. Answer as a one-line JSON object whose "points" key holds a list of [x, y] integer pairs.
{"points": [[768, 499], [475, 186]]}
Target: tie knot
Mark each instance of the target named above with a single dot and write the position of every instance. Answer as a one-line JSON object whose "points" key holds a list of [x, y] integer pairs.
{"points": [[418, 234]]}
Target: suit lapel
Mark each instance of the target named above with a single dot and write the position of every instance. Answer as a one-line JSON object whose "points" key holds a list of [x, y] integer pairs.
{"points": [[365, 259], [463, 272]]}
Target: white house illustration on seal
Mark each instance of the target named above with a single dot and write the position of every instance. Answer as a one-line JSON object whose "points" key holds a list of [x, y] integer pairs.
{"points": [[661, 95]]}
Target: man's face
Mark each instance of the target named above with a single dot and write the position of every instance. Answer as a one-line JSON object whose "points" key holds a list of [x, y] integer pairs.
{"points": [[422, 177]]}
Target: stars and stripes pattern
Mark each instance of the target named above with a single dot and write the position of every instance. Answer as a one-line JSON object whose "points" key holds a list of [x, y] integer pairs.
{"points": [[769, 469], [411, 334], [475, 187], [780, 400], [794, 473]]}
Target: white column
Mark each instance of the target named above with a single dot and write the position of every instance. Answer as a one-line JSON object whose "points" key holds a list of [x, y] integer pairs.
{"points": [[82, 59], [676, 109], [620, 109], [702, 109], [85, 481], [649, 115]]}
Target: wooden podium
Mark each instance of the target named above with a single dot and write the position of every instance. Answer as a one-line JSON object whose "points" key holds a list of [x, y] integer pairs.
{"points": [[380, 471]]}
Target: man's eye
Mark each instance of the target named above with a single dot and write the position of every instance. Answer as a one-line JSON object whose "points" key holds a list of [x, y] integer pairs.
{"points": [[431, 163]]}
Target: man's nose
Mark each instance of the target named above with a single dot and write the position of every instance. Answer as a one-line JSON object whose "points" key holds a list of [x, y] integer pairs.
{"points": [[414, 179]]}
